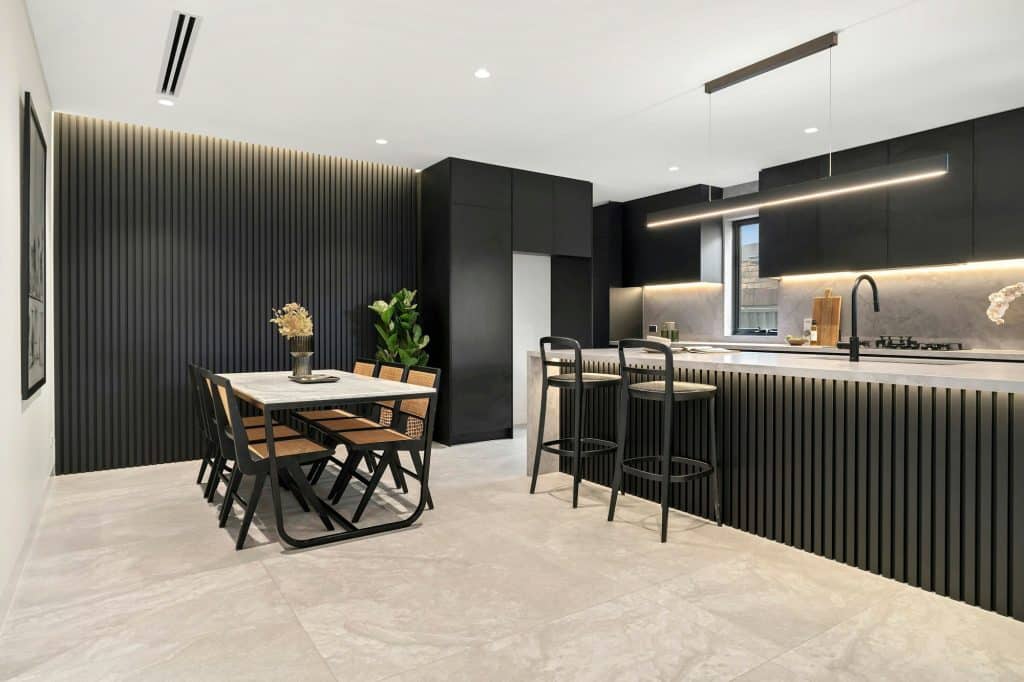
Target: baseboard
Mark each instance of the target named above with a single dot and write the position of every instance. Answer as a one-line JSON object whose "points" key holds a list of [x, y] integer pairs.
{"points": [[477, 437], [9, 590]]}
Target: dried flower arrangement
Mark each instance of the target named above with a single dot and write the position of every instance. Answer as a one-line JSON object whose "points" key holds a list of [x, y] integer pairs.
{"points": [[293, 320], [1001, 300]]}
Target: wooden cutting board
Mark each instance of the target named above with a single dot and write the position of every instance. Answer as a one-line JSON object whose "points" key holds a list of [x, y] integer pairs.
{"points": [[825, 309]]}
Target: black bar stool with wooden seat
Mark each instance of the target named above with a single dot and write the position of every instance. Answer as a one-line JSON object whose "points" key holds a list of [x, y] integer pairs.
{"points": [[577, 446], [661, 386]]}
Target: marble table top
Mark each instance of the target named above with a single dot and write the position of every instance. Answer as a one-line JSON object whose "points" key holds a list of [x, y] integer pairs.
{"points": [[272, 389]]}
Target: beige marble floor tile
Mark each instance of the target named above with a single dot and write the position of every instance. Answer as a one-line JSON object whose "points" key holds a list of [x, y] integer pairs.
{"points": [[780, 593], [640, 636], [427, 593], [913, 635], [282, 650], [130, 578], [158, 619]]}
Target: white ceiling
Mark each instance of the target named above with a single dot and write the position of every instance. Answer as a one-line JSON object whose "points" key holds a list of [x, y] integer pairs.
{"points": [[610, 91]]}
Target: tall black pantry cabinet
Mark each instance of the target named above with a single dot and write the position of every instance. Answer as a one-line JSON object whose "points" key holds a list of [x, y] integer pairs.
{"points": [[465, 295]]}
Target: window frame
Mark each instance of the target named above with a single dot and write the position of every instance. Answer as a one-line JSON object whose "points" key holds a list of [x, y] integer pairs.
{"points": [[737, 278]]}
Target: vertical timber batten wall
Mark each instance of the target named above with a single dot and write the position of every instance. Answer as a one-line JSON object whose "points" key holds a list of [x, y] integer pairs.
{"points": [[923, 485], [172, 247]]}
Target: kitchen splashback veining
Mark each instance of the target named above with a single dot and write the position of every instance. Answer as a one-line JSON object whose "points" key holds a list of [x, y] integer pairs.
{"points": [[928, 304]]}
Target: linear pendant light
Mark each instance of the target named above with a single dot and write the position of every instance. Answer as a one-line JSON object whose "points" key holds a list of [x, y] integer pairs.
{"points": [[833, 185], [820, 188]]}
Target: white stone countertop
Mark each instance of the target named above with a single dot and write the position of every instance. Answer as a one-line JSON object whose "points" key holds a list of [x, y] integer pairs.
{"points": [[999, 354], [943, 372], [275, 388]]}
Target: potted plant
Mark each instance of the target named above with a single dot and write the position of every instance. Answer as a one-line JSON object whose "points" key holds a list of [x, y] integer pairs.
{"points": [[296, 324], [400, 338]]}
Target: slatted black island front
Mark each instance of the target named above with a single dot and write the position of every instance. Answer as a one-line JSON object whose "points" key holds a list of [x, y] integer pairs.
{"points": [[912, 469]]}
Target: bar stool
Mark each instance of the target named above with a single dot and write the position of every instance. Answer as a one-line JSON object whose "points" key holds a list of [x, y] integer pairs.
{"points": [[577, 381], [663, 388]]}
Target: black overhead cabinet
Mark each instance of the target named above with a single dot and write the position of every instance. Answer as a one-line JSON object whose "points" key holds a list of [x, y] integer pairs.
{"points": [[573, 224], [790, 242], [466, 296], [662, 255], [930, 221], [998, 191], [551, 214], [533, 212], [853, 234], [970, 213]]}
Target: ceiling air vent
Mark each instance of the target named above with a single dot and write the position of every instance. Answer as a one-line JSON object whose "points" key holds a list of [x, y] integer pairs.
{"points": [[180, 39]]}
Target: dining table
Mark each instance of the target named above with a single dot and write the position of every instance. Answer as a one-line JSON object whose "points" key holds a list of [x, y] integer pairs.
{"points": [[275, 393]]}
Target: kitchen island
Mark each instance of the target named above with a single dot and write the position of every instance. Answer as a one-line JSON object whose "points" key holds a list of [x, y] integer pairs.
{"points": [[913, 469]]}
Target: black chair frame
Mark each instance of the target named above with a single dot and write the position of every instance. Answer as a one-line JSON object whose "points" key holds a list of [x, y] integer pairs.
{"points": [[236, 446], [577, 446], [664, 461]]}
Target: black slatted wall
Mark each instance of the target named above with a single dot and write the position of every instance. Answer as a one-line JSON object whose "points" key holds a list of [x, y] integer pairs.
{"points": [[923, 485], [171, 247]]}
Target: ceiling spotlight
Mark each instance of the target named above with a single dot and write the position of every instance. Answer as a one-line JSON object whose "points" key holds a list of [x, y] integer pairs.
{"points": [[482, 73], [166, 102], [811, 130], [381, 140], [673, 169]]}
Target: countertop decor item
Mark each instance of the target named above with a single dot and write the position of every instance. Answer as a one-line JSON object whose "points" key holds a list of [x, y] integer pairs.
{"points": [[296, 324], [795, 340], [1000, 301], [825, 310], [401, 338]]}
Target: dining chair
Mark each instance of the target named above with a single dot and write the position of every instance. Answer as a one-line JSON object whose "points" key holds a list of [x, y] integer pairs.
{"points": [[252, 459], [208, 441], [380, 417], [363, 366], [254, 428], [406, 434]]}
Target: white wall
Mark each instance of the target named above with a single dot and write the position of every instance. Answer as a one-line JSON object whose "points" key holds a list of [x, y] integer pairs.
{"points": [[531, 319], [26, 448]]}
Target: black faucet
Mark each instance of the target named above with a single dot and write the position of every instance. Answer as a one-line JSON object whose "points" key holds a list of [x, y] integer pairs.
{"points": [[854, 339]]}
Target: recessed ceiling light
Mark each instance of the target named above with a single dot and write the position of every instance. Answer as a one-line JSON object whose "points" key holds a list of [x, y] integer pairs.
{"points": [[482, 73], [381, 140], [673, 169], [811, 130], [166, 102]]}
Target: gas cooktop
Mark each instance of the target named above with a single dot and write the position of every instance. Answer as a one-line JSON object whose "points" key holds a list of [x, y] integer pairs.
{"points": [[910, 343]]}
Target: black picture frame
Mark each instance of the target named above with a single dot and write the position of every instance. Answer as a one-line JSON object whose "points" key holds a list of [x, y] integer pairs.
{"points": [[33, 252]]}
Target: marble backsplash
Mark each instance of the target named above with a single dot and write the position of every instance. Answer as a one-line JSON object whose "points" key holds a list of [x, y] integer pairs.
{"points": [[927, 303]]}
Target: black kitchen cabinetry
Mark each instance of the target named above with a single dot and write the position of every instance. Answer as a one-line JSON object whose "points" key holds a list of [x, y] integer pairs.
{"points": [[662, 255], [551, 215], [571, 314], [466, 296], [930, 221], [853, 228], [533, 211], [573, 218], [790, 235], [606, 266], [998, 195]]}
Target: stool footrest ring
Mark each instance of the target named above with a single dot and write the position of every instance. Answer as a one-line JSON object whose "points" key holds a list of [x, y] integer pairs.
{"points": [[563, 447], [703, 468]]}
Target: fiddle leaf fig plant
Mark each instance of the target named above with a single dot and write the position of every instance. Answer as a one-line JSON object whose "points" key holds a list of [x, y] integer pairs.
{"points": [[400, 338]]}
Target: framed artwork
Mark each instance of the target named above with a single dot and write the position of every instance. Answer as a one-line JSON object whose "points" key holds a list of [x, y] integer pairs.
{"points": [[33, 253]]}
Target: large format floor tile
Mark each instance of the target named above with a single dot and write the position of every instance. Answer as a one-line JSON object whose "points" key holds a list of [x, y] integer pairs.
{"points": [[130, 578]]}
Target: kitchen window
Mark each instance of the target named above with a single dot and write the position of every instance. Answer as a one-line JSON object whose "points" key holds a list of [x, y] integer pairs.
{"points": [[755, 298]]}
